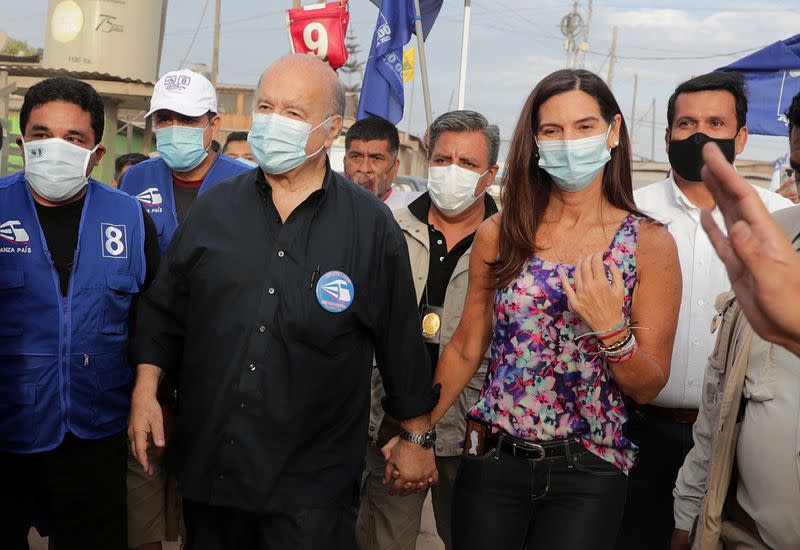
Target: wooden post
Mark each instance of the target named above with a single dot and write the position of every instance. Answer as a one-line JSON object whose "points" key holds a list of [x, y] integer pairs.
{"points": [[147, 138], [6, 89], [215, 58], [106, 167]]}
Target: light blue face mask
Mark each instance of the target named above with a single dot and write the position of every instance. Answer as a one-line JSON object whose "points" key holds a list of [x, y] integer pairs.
{"points": [[574, 163], [279, 143], [181, 147]]}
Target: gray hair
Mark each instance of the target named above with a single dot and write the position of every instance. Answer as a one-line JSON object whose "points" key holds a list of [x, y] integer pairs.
{"points": [[338, 99], [466, 121]]}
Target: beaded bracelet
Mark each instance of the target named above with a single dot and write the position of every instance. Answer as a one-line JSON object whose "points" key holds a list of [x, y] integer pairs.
{"points": [[621, 352], [626, 357], [617, 345]]}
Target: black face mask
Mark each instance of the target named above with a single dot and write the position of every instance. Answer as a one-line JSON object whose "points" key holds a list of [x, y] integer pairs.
{"points": [[686, 155]]}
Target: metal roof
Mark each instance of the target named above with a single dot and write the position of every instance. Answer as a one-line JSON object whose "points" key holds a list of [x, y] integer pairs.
{"points": [[36, 70]]}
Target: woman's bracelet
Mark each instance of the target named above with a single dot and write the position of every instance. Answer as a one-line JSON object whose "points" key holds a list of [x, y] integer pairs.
{"points": [[618, 344], [621, 351], [616, 329], [626, 356]]}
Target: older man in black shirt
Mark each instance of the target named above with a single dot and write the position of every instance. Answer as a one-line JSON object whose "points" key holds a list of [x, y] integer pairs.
{"points": [[275, 293]]}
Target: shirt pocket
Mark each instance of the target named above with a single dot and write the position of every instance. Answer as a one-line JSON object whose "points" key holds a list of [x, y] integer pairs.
{"points": [[12, 283], [118, 293], [318, 327], [759, 380]]}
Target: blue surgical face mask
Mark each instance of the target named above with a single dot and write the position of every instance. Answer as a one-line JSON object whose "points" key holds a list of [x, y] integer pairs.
{"points": [[181, 147], [279, 143], [574, 163]]}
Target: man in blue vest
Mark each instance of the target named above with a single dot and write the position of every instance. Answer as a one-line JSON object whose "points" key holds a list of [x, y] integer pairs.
{"points": [[184, 111], [73, 255]]}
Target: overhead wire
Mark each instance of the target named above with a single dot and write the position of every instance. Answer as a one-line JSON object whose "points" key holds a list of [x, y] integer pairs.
{"points": [[196, 32]]}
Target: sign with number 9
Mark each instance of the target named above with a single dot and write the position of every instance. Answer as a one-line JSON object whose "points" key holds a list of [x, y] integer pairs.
{"points": [[320, 29]]}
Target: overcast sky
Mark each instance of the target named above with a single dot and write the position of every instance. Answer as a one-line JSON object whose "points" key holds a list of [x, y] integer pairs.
{"points": [[513, 44]]}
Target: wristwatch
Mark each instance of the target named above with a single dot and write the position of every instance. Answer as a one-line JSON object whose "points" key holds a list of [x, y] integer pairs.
{"points": [[426, 440]]}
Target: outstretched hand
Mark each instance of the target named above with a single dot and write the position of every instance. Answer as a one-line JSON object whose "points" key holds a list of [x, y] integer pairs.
{"points": [[762, 265]]}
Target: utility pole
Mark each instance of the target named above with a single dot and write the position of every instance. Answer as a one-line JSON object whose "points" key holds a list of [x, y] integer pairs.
{"points": [[215, 58], [612, 56], [572, 27], [423, 64], [653, 135], [462, 78], [584, 45], [633, 107]]}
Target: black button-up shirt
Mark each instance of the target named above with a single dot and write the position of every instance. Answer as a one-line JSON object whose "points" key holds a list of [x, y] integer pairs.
{"points": [[441, 263], [275, 388]]}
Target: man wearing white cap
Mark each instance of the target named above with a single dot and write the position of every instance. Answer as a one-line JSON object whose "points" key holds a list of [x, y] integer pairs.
{"points": [[184, 111]]}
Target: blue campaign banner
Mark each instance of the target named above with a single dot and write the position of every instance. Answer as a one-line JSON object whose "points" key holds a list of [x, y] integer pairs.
{"points": [[430, 11], [382, 88], [772, 76]]}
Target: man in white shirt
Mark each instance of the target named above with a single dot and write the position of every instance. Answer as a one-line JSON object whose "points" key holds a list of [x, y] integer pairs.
{"points": [[711, 107]]}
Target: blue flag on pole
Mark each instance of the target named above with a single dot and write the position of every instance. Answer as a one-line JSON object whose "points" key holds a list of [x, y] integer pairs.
{"points": [[772, 76], [382, 89], [430, 10]]}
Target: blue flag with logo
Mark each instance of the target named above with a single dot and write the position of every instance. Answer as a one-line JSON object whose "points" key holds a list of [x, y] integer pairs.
{"points": [[382, 88], [430, 11], [772, 76]]}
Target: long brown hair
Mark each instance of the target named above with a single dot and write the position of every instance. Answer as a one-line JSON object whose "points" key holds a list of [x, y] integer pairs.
{"points": [[526, 187]]}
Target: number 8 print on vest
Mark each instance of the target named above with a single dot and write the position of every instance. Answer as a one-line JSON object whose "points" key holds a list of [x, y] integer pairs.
{"points": [[115, 240]]}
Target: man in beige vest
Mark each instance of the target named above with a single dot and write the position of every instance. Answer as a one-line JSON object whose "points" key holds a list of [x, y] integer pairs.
{"points": [[741, 480], [740, 485], [439, 227]]}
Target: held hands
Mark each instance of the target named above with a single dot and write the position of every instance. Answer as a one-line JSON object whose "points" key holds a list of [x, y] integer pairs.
{"points": [[410, 468], [597, 302], [146, 426]]}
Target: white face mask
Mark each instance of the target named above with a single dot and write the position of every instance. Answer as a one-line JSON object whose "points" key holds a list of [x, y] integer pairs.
{"points": [[56, 169], [452, 188]]}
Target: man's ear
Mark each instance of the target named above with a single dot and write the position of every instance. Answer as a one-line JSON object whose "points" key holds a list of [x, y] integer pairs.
{"points": [[741, 140], [667, 136], [333, 131], [94, 160], [215, 124]]}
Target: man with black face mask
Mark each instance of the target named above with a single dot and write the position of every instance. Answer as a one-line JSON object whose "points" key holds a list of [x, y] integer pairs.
{"points": [[711, 107]]}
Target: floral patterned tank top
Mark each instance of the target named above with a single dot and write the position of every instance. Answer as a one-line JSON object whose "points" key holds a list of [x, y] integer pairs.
{"points": [[542, 384]]}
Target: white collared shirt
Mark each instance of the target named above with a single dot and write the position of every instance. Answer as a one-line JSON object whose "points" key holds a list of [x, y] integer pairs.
{"points": [[704, 277]]}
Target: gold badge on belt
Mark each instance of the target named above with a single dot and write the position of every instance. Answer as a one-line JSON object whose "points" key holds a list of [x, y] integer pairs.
{"points": [[431, 321]]}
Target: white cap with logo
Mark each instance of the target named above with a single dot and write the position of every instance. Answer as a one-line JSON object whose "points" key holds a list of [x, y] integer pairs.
{"points": [[185, 92]]}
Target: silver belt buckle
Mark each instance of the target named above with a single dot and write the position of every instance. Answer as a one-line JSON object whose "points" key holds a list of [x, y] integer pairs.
{"points": [[528, 447]]}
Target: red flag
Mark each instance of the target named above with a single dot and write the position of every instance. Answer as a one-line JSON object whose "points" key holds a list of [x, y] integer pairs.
{"points": [[319, 29]]}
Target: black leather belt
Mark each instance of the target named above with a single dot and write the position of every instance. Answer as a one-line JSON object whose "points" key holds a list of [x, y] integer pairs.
{"points": [[529, 450]]}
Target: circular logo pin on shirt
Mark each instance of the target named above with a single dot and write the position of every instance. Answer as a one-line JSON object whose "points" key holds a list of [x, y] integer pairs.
{"points": [[335, 291]]}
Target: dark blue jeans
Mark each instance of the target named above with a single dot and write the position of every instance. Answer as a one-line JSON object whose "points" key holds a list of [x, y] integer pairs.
{"points": [[501, 501], [663, 445]]}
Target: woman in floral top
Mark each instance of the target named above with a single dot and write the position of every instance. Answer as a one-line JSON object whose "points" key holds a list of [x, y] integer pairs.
{"points": [[578, 294]]}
